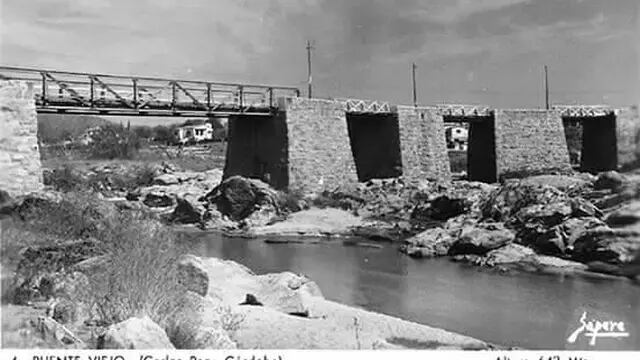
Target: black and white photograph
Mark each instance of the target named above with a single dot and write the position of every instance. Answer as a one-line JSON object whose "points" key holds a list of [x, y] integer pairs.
{"points": [[449, 176]]}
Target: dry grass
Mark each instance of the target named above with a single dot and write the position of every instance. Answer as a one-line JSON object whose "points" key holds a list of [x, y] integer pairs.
{"points": [[196, 158], [68, 178], [141, 276]]}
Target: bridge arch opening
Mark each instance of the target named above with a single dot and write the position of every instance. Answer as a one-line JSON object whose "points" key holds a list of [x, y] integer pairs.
{"points": [[592, 142], [258, 148], [375, 144], [478, 157]]}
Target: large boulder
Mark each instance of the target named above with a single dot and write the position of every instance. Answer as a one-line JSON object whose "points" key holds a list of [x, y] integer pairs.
{"points": [[573, 228], [610, 180], [46, 200], [430, 243], [6, 203], [384, 231], [508, 254], [564, 183], [136, 334], [481, 238], [537, 226], [547, 215], [157, 199], [505, 202], [627, 215], [239, 197], [615, 246], [189, 211], [193, 275], [231, 282], [41, 268], [312, 222], [442, 208]]}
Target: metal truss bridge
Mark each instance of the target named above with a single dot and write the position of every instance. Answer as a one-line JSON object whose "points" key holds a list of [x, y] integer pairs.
{"points": [[99, 94]]}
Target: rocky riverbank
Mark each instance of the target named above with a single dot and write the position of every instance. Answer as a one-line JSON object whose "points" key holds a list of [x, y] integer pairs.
{"points": [[550, 223], [580, 224], [224, 306]]}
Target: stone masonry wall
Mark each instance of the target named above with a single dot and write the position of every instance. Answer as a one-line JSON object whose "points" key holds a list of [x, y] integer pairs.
{"points": [[529, 142], [628, 136], [423, 144], [20, 167], [319, 151]]}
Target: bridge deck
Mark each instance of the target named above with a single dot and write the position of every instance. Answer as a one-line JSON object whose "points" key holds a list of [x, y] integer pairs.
{"points": [[84, 93]]}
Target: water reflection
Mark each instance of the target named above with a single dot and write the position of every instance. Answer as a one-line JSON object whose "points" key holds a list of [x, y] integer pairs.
{"points": [[527, 310]]}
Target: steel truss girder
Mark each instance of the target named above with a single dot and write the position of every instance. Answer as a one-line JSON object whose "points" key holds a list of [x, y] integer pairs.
{"points": [[143, 95]]}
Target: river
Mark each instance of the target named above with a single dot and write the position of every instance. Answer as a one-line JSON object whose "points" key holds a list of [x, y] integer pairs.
{"points": [[526, 310]]}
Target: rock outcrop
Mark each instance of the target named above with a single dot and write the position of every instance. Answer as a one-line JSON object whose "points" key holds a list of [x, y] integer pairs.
{"points": [[136, 334], [230, 283]]}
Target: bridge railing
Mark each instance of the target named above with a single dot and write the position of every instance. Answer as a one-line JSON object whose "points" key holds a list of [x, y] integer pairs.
{"points": [[59, 90], [583, 110]]}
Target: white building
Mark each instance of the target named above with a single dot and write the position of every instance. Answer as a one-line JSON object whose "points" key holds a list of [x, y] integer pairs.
{"points": [[457, 138], [87, 137], [193, 133]]}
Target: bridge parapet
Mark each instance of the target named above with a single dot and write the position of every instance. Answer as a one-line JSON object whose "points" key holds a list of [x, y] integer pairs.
{"points": [[584, 110], [359, 106], [463, 110]]}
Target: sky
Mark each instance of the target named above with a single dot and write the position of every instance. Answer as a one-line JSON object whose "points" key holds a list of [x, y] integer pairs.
{"points": [[489, 52]]}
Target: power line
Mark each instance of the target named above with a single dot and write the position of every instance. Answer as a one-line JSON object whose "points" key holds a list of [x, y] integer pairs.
{"points": [[309, 77], [546, 87], [413, 77]]}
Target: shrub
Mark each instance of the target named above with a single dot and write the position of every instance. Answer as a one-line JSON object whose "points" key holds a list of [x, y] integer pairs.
{"points": [[114, 142], [141, 277], [64, 178], [76, 216], [292, 201]]}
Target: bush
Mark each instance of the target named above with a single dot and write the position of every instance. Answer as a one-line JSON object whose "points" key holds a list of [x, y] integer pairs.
{"points": [[290, 202], [114, 142], [68, 179], [77, 216], [63, 179], [141, 277]]}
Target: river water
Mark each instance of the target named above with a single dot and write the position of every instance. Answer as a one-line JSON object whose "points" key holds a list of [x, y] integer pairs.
{"points": [[526, 310]]}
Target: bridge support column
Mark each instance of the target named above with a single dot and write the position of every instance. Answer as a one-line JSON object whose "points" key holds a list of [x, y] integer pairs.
{"points": [[20, 167], [529, 142], [628, 137], [304, 146], [423, 144], [319, 151]]}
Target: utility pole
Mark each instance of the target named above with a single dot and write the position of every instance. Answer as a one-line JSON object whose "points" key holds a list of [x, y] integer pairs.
{"points": [[309, 78], [413, 77], [546, 87]]}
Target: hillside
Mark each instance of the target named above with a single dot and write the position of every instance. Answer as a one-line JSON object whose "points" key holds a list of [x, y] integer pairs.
{"points": [[54, 128]]}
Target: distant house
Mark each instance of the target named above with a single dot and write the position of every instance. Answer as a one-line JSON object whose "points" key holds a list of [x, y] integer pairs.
{"points": [[457, 138], [193, 131], [87, 136]]}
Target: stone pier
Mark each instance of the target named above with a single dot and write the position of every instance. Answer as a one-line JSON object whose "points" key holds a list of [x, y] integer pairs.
{"points": [[529, 142], [20, 167], [423, 144]]}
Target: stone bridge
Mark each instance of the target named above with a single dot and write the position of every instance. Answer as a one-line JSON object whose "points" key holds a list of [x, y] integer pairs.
{"points": [[314, 144]]}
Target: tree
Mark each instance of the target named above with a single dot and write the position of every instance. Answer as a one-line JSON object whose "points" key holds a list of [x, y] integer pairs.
{"points": [[163, 133], [114, 142], [143, 132]]}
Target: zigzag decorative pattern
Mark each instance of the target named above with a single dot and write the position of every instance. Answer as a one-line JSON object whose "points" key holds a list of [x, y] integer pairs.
{"points": [[583, 110], [365, 106], [463, 110]]}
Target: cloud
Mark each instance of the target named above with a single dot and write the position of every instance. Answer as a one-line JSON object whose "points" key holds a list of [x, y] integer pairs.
{"points": [[363, 47]]}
